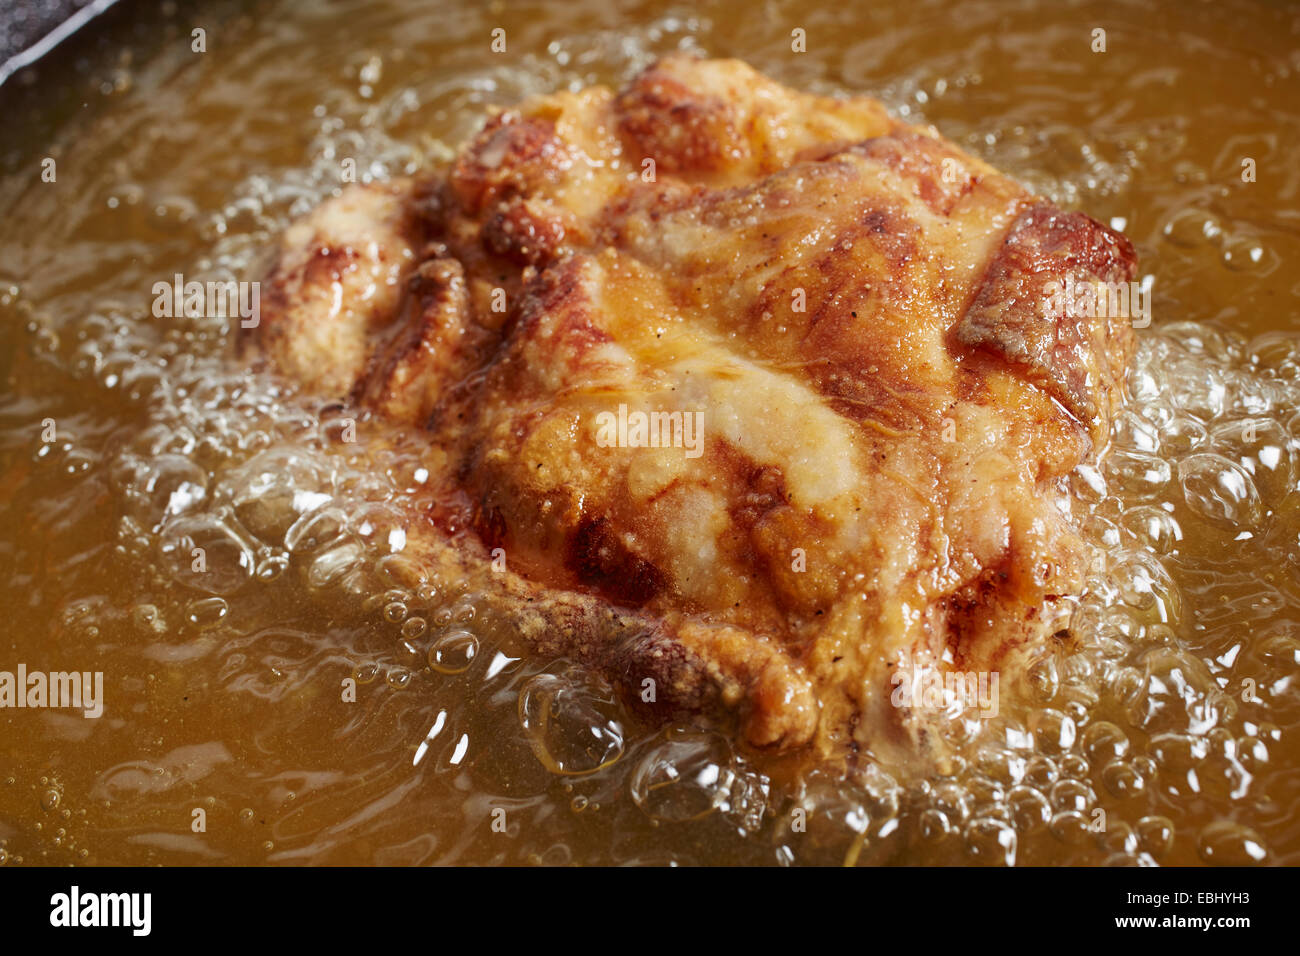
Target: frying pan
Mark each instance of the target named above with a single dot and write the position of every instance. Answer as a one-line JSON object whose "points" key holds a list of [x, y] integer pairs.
{"points": [[29, 29]]}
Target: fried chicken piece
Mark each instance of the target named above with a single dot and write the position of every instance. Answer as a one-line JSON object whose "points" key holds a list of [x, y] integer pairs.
{"points": [[851, 310], [339, 278]]}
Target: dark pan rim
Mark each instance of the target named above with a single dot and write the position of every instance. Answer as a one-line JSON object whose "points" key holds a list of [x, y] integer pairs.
{"points": [[54, 33]]}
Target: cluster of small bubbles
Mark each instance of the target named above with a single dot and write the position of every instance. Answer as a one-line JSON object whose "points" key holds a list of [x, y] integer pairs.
{"points": [[382, 600], [273, 489], [1137, 710], [947, 811], [81, 617], [1200, 441], [229, 484], [67, 456]]}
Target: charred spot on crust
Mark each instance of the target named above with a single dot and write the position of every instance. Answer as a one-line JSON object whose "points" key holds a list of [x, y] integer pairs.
{"points": [[491, 526], [600, 559], [652, 652]]}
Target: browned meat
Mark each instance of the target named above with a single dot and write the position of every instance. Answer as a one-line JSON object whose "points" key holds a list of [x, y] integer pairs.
{"points": [[869, 411]]}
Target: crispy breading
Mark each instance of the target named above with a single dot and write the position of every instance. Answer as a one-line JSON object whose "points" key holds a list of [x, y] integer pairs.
{"points": [[853, 307]]}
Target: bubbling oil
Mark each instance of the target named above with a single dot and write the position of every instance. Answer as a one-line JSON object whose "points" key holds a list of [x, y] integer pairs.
{"points": [[233, 554]]}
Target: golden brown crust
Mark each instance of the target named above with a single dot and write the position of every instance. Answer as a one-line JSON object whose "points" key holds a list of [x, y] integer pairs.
{"points": [[849, 305], [337, 279], [1073, 357]]}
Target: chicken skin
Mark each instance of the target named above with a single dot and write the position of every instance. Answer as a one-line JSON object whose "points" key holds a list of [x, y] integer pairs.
{"points": [[761, 394]]}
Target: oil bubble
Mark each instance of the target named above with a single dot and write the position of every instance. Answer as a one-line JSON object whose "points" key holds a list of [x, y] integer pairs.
{"points": [[207, 612], [366, 673], [165, 487], [273, 489], [314, 530], [147, 620], [1104, 741], [206, 553], [991, 842], [453, 652], [1072, 795], [1153, 528], [570, 724], [1055, 731], [1030, 810], [1071, 828], [332, 566], [1220, 491], [686, 776], [1176, 695], [1137, 476], [934, 826], [1226, 843], [272, 566]]}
